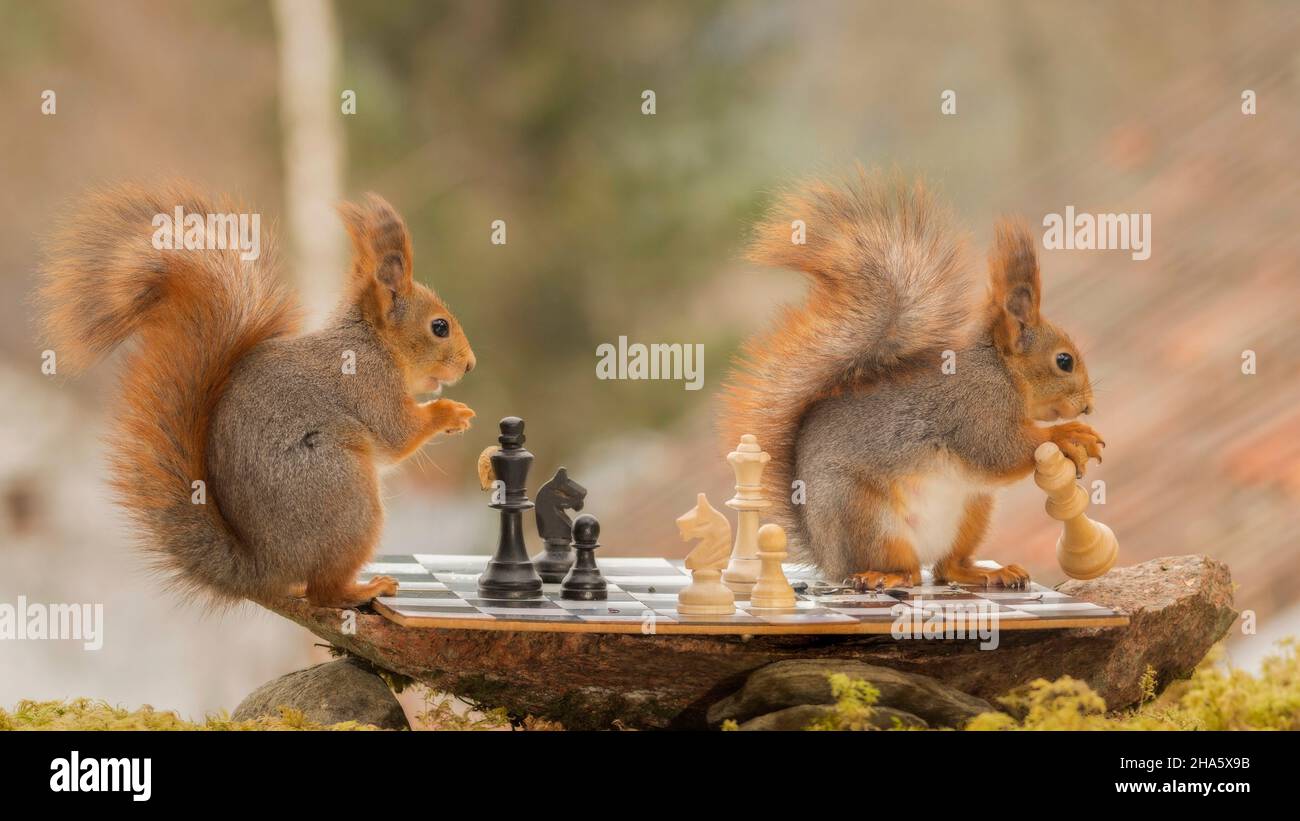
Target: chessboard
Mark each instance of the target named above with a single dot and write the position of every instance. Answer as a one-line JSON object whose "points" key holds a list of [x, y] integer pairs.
{"points": [[441, 591]]}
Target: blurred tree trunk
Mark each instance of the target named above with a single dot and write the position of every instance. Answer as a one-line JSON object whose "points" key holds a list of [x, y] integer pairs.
{"points": [[313, 149]]}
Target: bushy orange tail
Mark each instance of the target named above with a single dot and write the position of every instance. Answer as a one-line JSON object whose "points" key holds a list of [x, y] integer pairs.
{"points": [[194, 314], [890, 288]]}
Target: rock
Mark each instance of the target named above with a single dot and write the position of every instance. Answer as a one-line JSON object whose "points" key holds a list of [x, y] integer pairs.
{"points": [[343, 690], [887, 718], [788, 684], [802, 717], [1179, 607]]}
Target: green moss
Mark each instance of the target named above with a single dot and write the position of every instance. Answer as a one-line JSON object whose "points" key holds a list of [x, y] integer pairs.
{"points": [[1220, 698], [1215, 697], [853, 705], [441, 715], [88, 714], [1064, 704]]}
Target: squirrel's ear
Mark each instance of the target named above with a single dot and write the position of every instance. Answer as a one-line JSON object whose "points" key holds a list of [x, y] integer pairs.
{"points": [[381, 247], [1015, 284]]}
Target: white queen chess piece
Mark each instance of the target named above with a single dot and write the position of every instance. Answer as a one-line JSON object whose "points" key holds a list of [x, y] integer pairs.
{"points": [[748, 461], [706, 595], [1086, 548]]}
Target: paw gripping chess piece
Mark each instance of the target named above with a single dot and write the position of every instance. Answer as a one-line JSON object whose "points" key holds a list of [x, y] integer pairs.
{"points": [[1086, 548]]}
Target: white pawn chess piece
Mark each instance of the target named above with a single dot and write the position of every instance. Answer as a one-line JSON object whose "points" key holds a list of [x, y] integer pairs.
{"points": [[748, 461], [1086, 548], [772, 588], [706, 595]]}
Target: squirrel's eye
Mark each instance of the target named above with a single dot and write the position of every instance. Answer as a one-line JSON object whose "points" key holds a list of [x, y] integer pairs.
{"points": [[1065, 362], [441, 328]]}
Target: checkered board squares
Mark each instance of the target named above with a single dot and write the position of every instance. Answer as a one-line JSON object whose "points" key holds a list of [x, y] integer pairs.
{"points": [[438, 590]]}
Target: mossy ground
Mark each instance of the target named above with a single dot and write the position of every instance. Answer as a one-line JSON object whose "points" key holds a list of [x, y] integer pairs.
{"points": [[1215, 697], [88, 714]]}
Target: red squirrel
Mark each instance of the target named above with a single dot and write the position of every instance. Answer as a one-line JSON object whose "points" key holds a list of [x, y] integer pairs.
{"points": [[220, 388], [898, 456]]}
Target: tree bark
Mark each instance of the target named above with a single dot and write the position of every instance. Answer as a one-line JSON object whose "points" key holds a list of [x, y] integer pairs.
{"points": [[313, 143]]}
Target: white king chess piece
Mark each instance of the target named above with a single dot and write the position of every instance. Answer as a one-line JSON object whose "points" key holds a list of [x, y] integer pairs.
{"points": [[706, 595], [1086, 548], [748, 461], [772, 589]]}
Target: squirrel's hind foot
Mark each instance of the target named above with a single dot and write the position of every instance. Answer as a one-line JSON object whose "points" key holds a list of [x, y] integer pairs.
{"points": [[352, 595], [1012, 576], [873, 580]]}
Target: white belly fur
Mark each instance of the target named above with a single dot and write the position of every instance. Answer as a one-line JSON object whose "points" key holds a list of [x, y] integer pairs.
{"points": [[934, 504]]}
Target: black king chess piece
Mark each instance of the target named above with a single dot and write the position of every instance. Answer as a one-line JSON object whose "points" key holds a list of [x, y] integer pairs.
{"points": [[584, 582], [553, 525], [509, 574]]}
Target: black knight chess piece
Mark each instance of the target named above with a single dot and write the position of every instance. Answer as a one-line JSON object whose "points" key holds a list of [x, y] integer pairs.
{"points": [[509, 574], [584, 582], [555, 527]]}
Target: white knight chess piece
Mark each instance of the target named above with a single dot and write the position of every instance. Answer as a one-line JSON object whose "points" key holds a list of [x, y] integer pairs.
{"points": [[706, 595]]}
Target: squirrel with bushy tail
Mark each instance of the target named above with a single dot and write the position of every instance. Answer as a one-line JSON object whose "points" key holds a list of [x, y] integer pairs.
{"points": [[899, 457], [284, 432]]}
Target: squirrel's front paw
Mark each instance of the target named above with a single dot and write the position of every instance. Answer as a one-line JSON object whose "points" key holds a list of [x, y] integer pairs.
{"points": [[1079, 443], [450, 416]]}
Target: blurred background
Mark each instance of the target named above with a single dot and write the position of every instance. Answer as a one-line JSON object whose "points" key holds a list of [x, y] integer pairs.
{"points": [[626, 224]]}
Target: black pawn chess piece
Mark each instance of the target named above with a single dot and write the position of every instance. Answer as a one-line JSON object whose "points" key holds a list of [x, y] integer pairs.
{"points": [[555, 528], [584, 582], [509, 574]]}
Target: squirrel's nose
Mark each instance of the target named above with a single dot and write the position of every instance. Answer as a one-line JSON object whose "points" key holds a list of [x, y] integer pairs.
{"points": [[469, 364], [1087, 409]]}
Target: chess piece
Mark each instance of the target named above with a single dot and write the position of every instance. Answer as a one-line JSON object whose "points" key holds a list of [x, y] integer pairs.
{"points": [[772, 589], [747, 460], [583, 581], [1086, 548], [706, 595], [553, 498], [509, 574]]}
